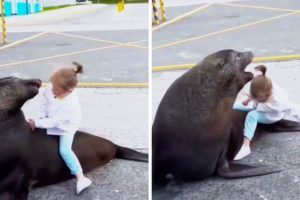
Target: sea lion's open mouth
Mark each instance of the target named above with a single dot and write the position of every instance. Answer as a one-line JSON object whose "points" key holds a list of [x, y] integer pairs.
{"points": [[249, 75], [34, 83], [247, 58]]}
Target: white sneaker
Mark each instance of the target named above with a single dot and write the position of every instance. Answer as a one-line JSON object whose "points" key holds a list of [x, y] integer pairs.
{"points": [[82, 184], [244, 151]]}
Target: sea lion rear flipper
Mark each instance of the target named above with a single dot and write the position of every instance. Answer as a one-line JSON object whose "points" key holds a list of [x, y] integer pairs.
{"points": [[237, 170], [130, 154], [281, 126]]}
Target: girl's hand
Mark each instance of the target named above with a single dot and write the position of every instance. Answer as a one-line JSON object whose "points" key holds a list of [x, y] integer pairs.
{"points": [[246, 102], [31, 124]]}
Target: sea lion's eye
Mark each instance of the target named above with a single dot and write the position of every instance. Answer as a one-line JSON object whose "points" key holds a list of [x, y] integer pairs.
{"points": [[221, 63]]}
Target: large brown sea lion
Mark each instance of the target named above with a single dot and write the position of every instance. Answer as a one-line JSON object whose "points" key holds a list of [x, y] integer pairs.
{"points": [[32, 159], [196, 133]]}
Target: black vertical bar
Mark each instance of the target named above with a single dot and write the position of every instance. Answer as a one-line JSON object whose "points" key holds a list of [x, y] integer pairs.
{"points": [[27, 10]]}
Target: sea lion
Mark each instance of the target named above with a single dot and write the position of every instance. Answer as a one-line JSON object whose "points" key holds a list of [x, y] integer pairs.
{"points": [[31, 159], [195, 134]]}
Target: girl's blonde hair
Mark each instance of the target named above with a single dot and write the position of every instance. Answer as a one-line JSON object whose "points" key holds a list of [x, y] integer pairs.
{"points": [[260, 84], [66, 78]]}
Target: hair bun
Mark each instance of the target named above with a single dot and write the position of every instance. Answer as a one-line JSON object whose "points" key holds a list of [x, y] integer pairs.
{"points": [[261, 68], [79, 67]]}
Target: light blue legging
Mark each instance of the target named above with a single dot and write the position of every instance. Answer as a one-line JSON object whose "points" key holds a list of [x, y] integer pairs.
{"points": [[66, 152], [253, 117]]}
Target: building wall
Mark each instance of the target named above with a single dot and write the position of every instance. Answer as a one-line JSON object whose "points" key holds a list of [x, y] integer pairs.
{"points": [[48, 3], [22, 7], [25, 7]]}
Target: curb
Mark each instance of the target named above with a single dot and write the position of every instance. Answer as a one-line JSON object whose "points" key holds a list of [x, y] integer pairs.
{"points": [[109, 85]]}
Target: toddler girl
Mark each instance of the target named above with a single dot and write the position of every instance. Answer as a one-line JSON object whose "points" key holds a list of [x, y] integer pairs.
{"points": [[61, 115], [271, 104]]}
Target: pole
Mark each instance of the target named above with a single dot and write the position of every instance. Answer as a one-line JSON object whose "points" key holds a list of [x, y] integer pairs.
{"points": [[162, 10], [27, 9], [156, 21], [4, 35]]}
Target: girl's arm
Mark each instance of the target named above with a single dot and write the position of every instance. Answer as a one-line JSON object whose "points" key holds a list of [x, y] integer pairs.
{"points": [[42, 109], [43, 104], [60, 118], [271, 105]]}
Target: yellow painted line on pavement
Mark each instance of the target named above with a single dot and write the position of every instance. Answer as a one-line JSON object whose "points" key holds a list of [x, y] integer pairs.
{"points": [[23, 40], [257, 7], [277, 58], [224, 31], [180, 17], [58, 56], [110, 85], [255, 60], [172, 67], [140, 41], [121, 85], [99, 40], [63, 55]]}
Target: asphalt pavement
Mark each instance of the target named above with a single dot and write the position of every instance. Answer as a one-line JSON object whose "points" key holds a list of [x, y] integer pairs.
{"points": [[267, 28], [95, 35]]}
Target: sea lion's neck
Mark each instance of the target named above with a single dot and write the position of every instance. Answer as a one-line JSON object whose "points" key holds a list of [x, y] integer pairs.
{"points": [[225, 104], [3, 115], [8, 119]]}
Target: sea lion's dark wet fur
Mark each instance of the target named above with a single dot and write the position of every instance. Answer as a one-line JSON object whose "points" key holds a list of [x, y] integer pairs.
{"points": [[31, 159], [195, 133]]}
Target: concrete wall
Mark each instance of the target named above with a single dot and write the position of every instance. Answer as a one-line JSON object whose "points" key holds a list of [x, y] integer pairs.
{"points": [[48, 3]]}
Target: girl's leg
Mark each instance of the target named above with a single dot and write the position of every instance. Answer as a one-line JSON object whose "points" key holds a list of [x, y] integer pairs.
{"points": [[66, 152], [252, 118]]}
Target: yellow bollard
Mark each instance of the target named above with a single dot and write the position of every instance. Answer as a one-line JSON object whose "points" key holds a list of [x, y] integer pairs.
{"points": [[4, 34], [156, 21], [162, 10], [121, 6]]}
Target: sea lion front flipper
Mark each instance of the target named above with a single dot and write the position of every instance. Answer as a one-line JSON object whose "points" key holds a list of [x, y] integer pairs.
{"points": [[238, 170]]}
